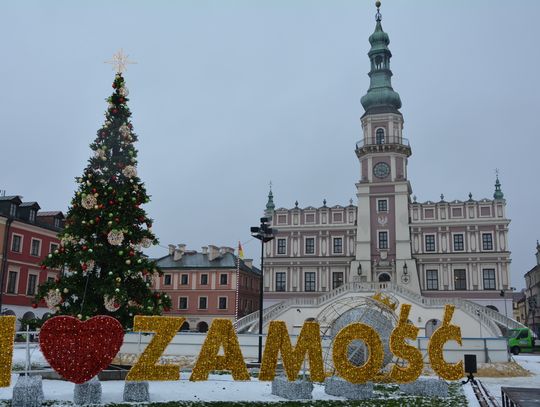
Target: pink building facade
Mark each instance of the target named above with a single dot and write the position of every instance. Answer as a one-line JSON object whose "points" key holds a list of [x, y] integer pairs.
{"points": [[213, 283], [27, 236]]}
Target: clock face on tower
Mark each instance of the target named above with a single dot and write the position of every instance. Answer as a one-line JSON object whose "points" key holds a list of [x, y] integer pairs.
{"points": [[381, 170]]}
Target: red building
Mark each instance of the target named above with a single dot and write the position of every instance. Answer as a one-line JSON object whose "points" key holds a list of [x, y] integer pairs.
{"points": [[26, 237], [203, 285]]}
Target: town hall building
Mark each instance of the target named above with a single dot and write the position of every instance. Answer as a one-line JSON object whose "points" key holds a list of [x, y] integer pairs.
{"points": [[440, 248]]}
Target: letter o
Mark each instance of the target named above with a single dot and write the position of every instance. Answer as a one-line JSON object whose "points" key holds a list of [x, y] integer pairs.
{"points": [[342, 364]]}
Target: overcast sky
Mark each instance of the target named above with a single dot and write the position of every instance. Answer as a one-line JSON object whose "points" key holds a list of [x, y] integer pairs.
{"points": [[228, 95]]}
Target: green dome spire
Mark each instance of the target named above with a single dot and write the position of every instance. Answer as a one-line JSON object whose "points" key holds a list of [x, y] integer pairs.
{"points": [[380, 97], [498, 194], [270, 207]]}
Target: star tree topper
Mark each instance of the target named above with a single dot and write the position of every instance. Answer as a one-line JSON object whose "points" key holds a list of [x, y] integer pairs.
{"points": [[120, 61]]}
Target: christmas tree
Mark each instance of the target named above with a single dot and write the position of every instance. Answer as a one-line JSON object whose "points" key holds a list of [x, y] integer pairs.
{"points": [[103, 270]]}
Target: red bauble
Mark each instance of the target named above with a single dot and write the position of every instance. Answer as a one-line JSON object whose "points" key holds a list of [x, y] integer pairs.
{"points": [[80, 350], [84, 266], [130, 125], [131, 253], [34, 305], [62, 250], [115, 111], [117, 220], [121, 100], [94, 190], [114, 85], [141, 219], [85, 248], [97, 219], [157, 295]]}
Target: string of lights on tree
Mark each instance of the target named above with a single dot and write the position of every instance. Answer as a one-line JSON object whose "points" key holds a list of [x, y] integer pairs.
{"points": [[103, 268]]}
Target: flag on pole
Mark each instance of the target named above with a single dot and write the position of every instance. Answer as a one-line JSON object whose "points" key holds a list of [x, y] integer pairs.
{"points": [[240, 251]]}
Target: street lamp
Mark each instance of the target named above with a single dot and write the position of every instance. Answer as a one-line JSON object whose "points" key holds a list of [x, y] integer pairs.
{"points": [[264, 233], [405, 269]]}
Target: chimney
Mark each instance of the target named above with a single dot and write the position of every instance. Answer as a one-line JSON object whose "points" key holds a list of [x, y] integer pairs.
{"points": [[171, 249], [204, 250], [248, 263], [182, 247], [213, 252], [226, 249], [179, 252]]}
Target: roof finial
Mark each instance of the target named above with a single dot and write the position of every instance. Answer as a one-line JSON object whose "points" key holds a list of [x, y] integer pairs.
{"points": [[378, 16], [498, 194]]}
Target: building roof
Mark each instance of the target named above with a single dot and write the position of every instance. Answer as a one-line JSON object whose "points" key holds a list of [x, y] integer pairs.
{"points": [[50, 213], [196, 260], [10, 198], [29, 205]]}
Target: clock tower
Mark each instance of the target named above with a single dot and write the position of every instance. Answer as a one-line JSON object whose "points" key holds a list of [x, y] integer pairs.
{"points": [[383, 238]]}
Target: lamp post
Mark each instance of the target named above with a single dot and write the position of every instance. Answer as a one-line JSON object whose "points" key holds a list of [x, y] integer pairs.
{"points": [[264, 233]]}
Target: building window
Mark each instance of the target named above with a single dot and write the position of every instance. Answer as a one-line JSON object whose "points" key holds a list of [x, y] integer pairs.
{"points": [[167, 279], [280, 281], [183, 279], [487, 241], [337, 280], [309, 281], [460, 280], [382, 205], [430, 243], [383, 240], [338, 245], [203, 302], [223, 279], [53, 247], [182, 303], [204, 279], [489, 279], [16, 243], [35, 247], [13, 210], [310, 245], [379, 136], [432, 280], [458, 243], [222, 304], [56, 222], [32, 280], [281, 246], [50, 279], [32, 217], [12, 282]]}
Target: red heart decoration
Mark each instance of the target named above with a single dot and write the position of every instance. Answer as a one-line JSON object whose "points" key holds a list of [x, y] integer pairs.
{"points": [[78, 350]]}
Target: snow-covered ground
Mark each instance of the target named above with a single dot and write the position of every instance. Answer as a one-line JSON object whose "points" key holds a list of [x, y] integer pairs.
{"points": [[224, 388]]}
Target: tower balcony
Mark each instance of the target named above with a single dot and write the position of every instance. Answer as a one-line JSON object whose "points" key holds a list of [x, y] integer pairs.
{"points": [[389, 144]]}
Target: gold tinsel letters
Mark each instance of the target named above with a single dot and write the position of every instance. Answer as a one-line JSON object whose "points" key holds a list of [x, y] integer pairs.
{"points": [[399, 347], [278, 341], [221, 333], [445, 333], [7, 333], [146, 368], [342, 364]]}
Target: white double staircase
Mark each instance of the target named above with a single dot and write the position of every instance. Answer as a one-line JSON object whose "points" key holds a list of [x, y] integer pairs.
{"points": [[488, 317]]}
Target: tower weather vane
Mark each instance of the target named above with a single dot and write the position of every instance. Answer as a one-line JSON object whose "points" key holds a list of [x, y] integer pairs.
{"points": [[120, 61]]}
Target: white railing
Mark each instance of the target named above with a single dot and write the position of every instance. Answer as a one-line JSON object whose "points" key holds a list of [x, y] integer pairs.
{"points": [[487, 316]]}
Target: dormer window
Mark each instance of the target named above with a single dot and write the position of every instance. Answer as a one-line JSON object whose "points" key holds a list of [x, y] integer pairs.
{"points": [[379, 136], [13, 210], [32, 216], [56, 222]]}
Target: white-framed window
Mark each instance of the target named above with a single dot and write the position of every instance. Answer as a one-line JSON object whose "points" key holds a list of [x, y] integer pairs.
{"points": [[485, 211], [32, 216], [53, 247], [56, 222], [310, 283], [337, 245], [309, 245], [487, 241], [281, 219], [460, 279], [281, 281], [337, 279], [203, 302], [382, 240], [182, 302], [13, 282], [184, 279], [32, 284], [382, 205], [459, 242], [282, 246], [204, 279], [13, 210], [16, 243], [35, 247], [379, 136], [489, 279], [432, 279], [337, 217], [223, 279], [222, 303], [167, 279], [309, 218], [429, 243]]}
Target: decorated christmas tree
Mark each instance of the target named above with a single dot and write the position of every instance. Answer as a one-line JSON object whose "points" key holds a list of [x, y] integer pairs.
{"points": [[103, 270]]}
